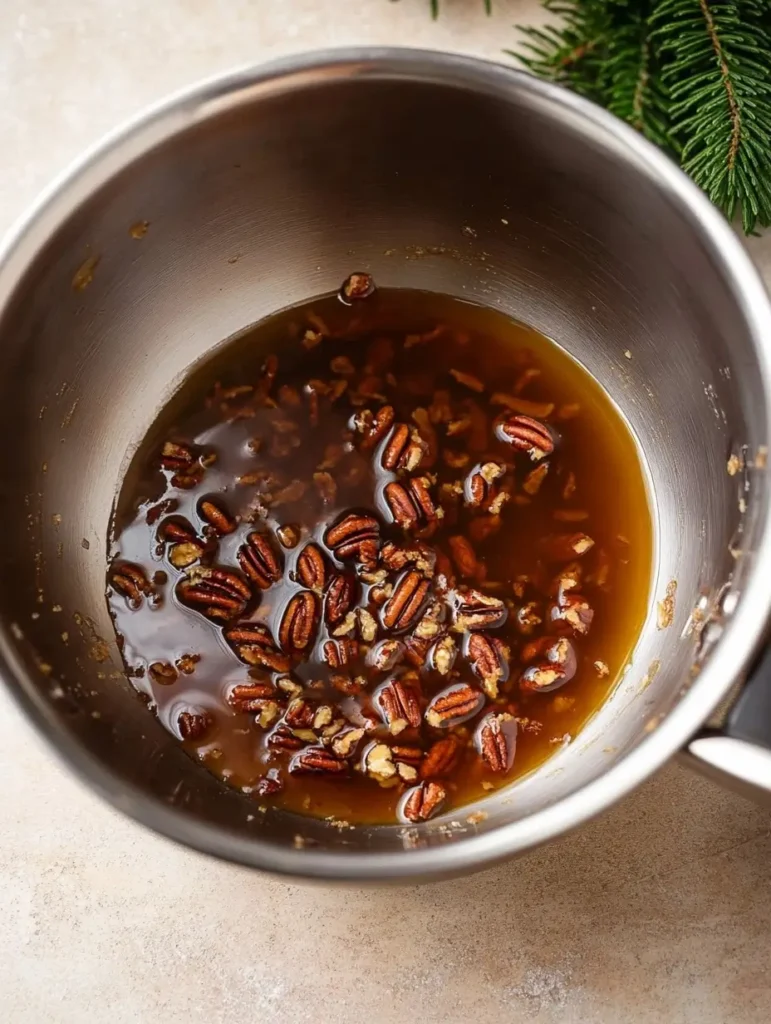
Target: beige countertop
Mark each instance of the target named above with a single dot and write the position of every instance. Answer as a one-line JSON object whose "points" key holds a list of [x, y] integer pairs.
{"points": [[660, 912]]}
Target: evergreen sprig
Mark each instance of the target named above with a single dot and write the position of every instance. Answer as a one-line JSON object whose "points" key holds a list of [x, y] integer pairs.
{"points": [[694, 76]]}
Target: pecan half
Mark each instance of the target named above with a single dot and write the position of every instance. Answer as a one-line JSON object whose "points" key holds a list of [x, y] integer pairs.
{"points": [[399, 701], [130, 581], [496, 740], [259, 561], [299, 622], [403, 608], [317, 761], [441, 758], [216, 593], [339, 653], [311, 569], [454, 706], [339, 598], [479, 487], [526, 435], [253, 644], [193, 725], [217, 518], [465, 557], [251, 697], [424, 801], [410, 503], [374, 428], [283, 739], [475, 610], [555, 663], [355, 536], [404, 450], [489, 658]]}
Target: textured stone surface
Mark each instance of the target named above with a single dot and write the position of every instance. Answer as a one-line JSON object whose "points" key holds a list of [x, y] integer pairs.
{"points": [[659, 913]]}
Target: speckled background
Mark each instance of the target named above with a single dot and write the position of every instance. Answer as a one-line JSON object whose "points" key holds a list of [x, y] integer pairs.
{"points": [[660, 912]]}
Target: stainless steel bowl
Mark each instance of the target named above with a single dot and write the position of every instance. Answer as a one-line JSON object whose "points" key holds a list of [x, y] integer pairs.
{"points": [[267, 187]]}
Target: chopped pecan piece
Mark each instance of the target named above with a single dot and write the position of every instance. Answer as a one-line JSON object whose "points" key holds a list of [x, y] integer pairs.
{"points": [[259, 561], [496, 740], [489, 658], [346, 742], [270, 784], [385, 655], [528, 618], [403, 608], [311, 569], [554, 664], [571, 614], [162, 673], [357, 286], [468, 380], [563, 547], [442, 655], [339, 598], [420, 555], [317, 761], [399, 701], [454, 706], [216, 593], [379, 763], [424, 801], [441, 758], [253, 644], [194, 724], [178, 457], [299, 622], [526, 434], [355, 536]]}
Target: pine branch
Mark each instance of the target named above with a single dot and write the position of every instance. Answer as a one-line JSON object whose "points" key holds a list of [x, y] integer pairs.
{"points": [[572, 52], [631, 77], [694, 76], [718, 71]]}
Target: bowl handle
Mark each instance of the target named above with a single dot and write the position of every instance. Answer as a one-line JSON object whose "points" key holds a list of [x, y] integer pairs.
{"points": [[737, 750]]}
